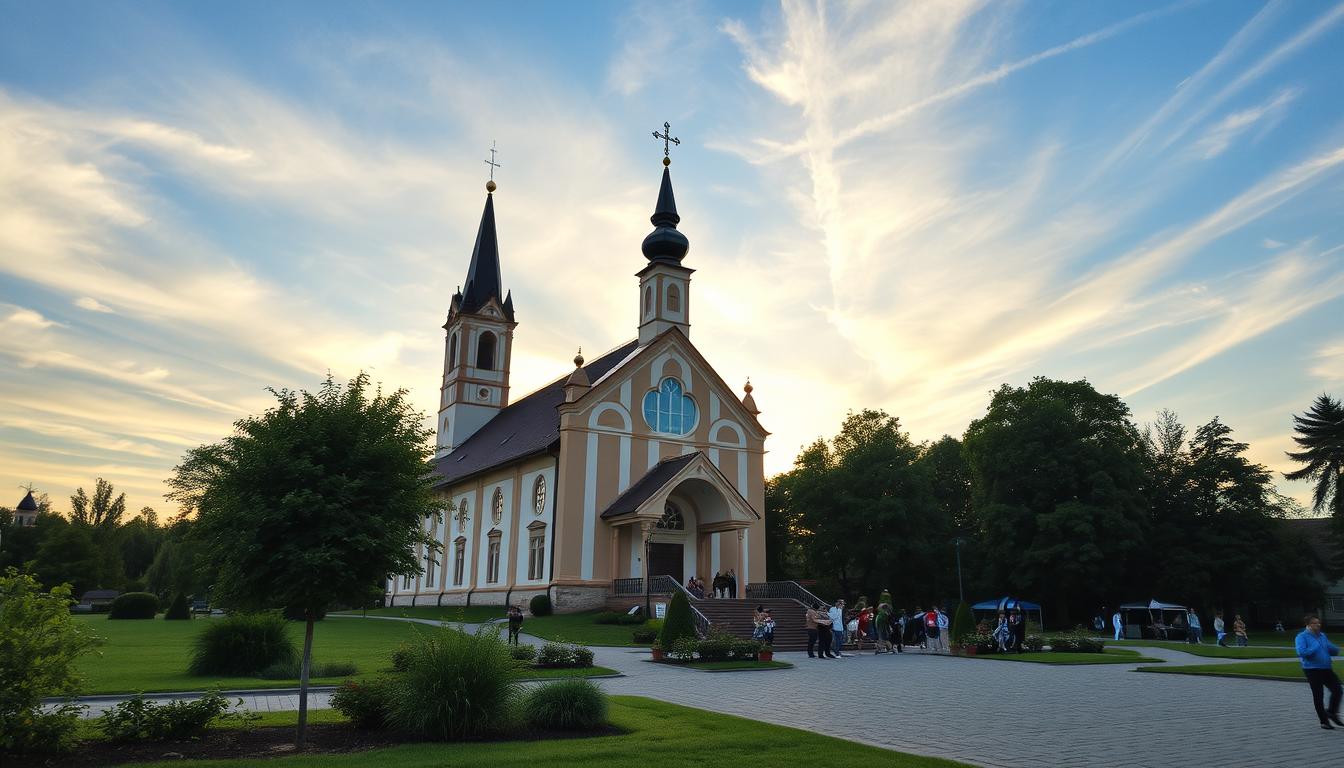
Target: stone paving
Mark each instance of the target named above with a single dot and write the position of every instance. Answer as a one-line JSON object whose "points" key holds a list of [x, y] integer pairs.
{"points": [[992, 713]]}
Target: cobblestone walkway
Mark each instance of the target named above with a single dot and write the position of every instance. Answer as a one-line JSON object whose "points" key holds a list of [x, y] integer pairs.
{"points": [[991, 713]]}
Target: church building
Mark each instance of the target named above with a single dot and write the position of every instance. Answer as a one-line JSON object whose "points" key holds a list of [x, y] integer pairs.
{"points": [[639, 461]]}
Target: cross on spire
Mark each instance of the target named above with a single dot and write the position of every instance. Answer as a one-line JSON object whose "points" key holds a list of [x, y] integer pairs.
{"points": [[491, 162], [668, 139]]}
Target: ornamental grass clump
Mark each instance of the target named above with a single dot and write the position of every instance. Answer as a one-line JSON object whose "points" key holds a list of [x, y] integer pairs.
{"points": [[568, 705], [455, 686], [243, 645]]}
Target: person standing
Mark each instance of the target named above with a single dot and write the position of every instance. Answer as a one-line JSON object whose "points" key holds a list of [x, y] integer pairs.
{"points": [[1192, 619], [1219, 628], [769, 625], [882, 625], [515, 623], [1017, 623], [944, 630], [931, 628], [1315, 650], [1118, 623], [732, 583], [837, 619]]}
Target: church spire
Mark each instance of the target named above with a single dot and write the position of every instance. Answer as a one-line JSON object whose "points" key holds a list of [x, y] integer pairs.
{"points": [[665, 245], [483, 277]]}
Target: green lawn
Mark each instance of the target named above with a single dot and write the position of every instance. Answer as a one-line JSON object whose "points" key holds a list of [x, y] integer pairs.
{"points": [[1110, 656], [1211, 651], [567, 627], [148, 656], [668, 735], [1264, 670], [547, 674], [151, 656]]}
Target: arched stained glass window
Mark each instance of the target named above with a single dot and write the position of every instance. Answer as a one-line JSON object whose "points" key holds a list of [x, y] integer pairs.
{"points": [[669, 410], [672, 519]]}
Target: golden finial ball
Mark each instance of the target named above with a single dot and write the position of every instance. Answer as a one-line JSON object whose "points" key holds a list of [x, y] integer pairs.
{"points": [[667, 161], [747, 387], [490, 186]]}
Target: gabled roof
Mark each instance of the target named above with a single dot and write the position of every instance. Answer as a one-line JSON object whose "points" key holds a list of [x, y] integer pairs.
{"points": [[648, 485], [525, 428]]}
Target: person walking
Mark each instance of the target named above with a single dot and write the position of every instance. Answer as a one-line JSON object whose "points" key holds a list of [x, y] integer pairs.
{"points": [[1219, 628], [1118, 623], [1315, 650], [1196, 631], [515, 624], [1239, 631], [837, 619], [882, 625], [944, 630], [813, 632]]}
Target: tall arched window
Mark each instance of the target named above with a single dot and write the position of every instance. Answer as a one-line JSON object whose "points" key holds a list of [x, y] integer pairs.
{"points": [[669, 410], [673, 298], [485, 351], [648, 300], [452, 352]]}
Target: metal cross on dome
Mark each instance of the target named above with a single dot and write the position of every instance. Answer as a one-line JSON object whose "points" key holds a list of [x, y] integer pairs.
{"points": [[667, 137]]}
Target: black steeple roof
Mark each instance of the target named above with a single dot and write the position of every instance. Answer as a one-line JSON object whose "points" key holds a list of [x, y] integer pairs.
{"points": [[28, 504], [483, 280], [665, 245]]}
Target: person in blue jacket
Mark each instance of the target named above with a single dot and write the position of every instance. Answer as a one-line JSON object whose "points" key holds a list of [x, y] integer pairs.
{"points": [[1315, 650]]}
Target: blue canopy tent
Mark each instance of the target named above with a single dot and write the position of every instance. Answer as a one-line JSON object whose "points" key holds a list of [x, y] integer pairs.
{"points": [[1007, 604]]}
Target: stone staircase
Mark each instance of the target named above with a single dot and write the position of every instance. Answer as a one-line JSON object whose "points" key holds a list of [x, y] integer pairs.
{"points": [[734, 616]]}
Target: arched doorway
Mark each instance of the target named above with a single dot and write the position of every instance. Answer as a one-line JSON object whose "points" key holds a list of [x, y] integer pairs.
{"points": [[667, 546]]}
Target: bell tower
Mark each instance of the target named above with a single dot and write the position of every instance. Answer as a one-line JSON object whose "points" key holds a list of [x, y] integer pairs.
{"points": [[478, 342], [664, 284]]}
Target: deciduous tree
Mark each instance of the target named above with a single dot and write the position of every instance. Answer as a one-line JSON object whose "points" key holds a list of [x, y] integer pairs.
{"points": [[309, 503]]}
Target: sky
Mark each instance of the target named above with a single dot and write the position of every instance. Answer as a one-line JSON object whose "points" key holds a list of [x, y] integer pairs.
{"points": [[890, 205]]}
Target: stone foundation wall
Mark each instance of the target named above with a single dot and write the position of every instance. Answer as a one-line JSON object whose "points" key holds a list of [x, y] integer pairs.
{"points": [[576, 599]]}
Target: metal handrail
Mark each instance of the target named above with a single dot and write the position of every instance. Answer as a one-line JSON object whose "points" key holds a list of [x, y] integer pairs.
{"points": [[784, 590], [627, 587], [701, 621]]}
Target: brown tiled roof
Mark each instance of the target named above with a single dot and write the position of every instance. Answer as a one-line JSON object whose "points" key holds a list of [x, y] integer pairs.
{"points": [[646, 486], [525, 428]]}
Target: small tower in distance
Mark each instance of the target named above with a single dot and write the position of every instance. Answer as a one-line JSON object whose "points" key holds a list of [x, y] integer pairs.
{"points": [[478, 342], [664, 284]]}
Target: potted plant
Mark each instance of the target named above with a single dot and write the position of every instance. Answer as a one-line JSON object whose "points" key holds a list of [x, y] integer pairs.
{"points": [[767, 653], [657, 650]]}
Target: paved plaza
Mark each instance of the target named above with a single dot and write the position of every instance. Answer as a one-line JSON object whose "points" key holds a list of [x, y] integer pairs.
{"points": [[987, 712]]}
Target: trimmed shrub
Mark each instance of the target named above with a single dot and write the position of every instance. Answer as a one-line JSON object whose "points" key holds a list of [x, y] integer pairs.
{"points": [[366, 703], [243, 645], [1033, 642], [683, 649], [179, 609], [134, 605], [540, 605], [555, 655], [568, 705], [401, 657], [678, 622], [456, 686], [963, 623], [42, 643], [583, 657], [139, 720], [523, 653], [631, 619], [608, 617], [643, 636], [1077, 641], [293, 670], [716, 647]]}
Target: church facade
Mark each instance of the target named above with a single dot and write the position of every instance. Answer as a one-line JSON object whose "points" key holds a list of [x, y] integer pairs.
{"points": [[642, 461]]}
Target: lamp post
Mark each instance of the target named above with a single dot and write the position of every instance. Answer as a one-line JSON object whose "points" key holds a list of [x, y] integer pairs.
{"points": [[648, 537], [961, 593]]}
